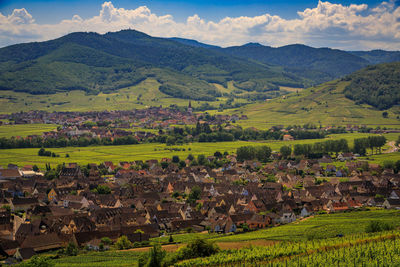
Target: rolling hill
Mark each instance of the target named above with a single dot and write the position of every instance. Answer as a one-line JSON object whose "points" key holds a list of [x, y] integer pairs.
{"points": [[103, 63], [329, 103]]}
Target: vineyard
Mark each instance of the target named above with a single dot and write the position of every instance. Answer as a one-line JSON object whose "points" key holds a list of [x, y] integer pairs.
{"points": [[380, 249]]}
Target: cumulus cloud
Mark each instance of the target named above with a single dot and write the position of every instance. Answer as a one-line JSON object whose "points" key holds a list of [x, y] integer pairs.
{"points": [[352, 27]]}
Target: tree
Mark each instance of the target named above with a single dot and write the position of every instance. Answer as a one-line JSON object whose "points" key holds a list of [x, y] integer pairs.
{"points": [[140, 232], [41, 152], [123, 243], [156, 256], [245, 153], [285, 151], [218, 154], [164, 164], [35, 168], [175, 159], [103, 190], [182, 164], [190, 157], [263, 153], [106, 241], [201, 159], [385, 114], [195, 194], [71, 250]]}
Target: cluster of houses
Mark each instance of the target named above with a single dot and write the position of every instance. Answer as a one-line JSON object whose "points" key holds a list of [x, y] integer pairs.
{"points": [[153, 117], [38, 214]]}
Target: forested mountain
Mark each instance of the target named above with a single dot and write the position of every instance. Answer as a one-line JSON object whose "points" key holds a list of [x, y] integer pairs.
{"points": [[378, 56], [184, 68], [317, 64], [102, 63], [377, 85]]}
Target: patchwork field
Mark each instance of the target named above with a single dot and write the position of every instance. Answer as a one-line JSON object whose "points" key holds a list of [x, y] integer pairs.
{"points": [[324, 104], [98, 154], [142, 95], [24, 130]]}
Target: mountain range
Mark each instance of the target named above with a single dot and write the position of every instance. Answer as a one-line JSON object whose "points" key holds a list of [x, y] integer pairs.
{"points": [[184, 68]]}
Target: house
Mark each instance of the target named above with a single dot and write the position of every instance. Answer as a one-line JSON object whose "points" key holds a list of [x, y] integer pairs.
{"points": [[287, 217], [23, 203], [9, 174], [42, 242], [288, 137], [24, 253], [391, 204], [304, 212]]}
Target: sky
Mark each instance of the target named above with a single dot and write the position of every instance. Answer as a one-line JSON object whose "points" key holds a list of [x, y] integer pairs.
{"points": [[347, 24]]}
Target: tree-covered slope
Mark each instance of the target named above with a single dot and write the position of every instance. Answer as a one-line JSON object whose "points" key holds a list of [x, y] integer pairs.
{"points": [[377, 85], [378, 56], [317, 64], [102, 63]]}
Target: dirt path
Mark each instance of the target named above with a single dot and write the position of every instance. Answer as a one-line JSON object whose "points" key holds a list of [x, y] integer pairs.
{"points": [[392, 147], [222, 245]]}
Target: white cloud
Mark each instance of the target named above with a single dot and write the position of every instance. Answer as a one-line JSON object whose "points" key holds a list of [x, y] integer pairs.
{"points": [[353, 27]]}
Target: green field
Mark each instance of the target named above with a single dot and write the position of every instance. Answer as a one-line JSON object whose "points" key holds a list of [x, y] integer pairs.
{"points": [[142, 95], [24, 130], [98, 154], [321, 226], [324, 104], [100, 259]]}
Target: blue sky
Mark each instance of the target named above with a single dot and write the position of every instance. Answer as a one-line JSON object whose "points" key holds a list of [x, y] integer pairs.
{"points": [[348, 24], [207, 9]]}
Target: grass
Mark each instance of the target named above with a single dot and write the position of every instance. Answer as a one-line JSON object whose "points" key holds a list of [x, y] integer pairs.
{"points": [[24, 130], [321, 226], [98, 154], [99, 259], [324, 104], [142, 95]]}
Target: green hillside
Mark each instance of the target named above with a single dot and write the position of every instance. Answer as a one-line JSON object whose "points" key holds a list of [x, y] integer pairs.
{"points": [[97, 63], [317, 64], [327, 104], [377, 85]]}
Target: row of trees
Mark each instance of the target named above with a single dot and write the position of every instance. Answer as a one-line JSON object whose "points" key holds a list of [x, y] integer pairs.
{"points": [[204, 133], [261, 153], [372, 142], [6, 143], [318, 149]]}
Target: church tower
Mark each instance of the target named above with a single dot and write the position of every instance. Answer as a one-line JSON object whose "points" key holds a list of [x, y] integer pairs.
{"points": [[190, 107]]}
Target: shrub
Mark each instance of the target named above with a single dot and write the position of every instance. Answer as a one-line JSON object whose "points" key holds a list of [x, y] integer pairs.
{"points": [[123, 243], [378, 226]]}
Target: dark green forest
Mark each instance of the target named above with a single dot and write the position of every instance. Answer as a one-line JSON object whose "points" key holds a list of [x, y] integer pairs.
{"points": [[376, 85]]}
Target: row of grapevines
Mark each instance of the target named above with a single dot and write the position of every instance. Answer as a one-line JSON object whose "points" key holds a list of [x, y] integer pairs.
{"points": [[379, 253], [284, 249]]}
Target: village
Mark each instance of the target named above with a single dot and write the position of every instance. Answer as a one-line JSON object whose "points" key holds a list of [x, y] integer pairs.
{"points": [[147, 199]]}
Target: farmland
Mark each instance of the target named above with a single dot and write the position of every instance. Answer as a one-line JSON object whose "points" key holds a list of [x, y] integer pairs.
{"points": [[315, 236], [142, 95], [24, 130], [98, 154], [324, 104]]}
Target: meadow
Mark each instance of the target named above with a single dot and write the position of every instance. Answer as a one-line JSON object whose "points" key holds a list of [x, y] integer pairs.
{"points": [[24, 130], [142, 95], [98, 154]]}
